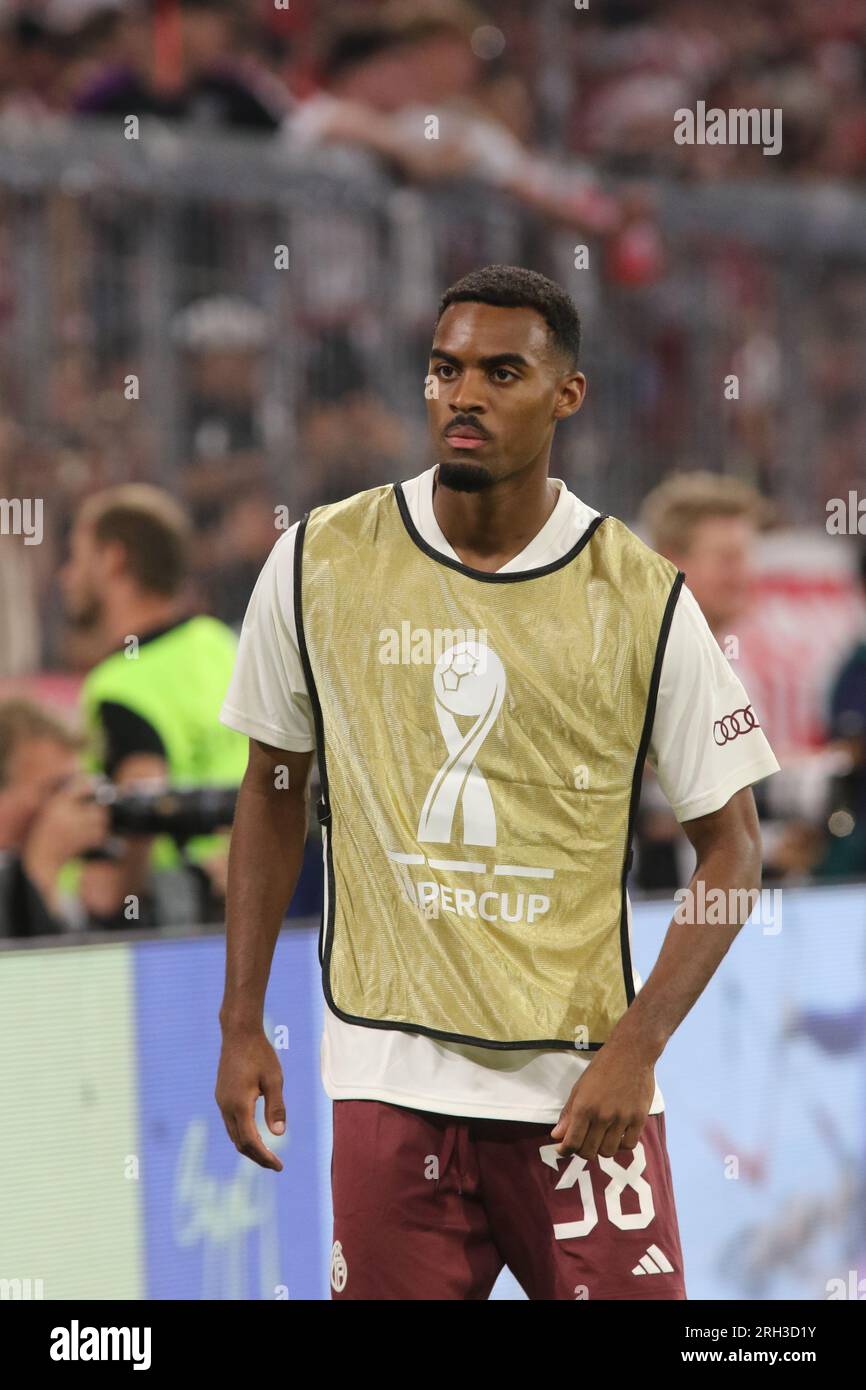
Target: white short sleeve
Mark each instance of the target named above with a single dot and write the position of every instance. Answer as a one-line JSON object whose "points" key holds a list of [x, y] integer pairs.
{"points": [[705, 744], [267, 696]]}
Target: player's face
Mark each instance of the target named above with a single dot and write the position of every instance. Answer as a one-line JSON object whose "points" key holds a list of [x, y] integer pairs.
{"points": [[496, 389], [81, 579]]}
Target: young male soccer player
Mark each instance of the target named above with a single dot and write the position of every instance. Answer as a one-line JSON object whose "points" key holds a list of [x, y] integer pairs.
{"points": [[483, 663]]}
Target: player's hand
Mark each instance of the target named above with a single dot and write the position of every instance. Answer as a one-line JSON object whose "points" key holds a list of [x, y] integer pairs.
{"points": [[249, 1068], [608, 1106]]}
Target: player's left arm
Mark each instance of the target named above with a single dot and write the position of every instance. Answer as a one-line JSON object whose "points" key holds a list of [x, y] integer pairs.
{"points": [[720, 897], [609, 1105], [707, 748]]}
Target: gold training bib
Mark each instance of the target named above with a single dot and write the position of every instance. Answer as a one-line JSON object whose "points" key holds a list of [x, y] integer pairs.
{"points": [[481, 740]]}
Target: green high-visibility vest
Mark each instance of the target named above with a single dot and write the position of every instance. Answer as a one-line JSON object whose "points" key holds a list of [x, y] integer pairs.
{"points": [[177, 682]]}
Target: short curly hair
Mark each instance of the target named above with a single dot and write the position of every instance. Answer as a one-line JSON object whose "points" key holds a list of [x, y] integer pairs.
{"points": [[515, 287]]}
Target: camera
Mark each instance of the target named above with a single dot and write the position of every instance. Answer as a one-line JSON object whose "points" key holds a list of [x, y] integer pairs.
{"points": [[181, 812]]}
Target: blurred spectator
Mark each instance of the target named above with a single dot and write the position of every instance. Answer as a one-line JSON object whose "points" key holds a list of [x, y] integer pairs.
{"points": [[190, 71], [365, 75], [351, 442], [150, 703], [388, 77], [635, 65], [244, 538], [32, 66], [845, 845], [48, 817], [462, 92], [707, 526], [619, 74], [223, 341]]}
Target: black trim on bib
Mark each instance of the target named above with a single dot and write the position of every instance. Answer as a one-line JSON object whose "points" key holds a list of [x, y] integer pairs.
{"points": [[637, 777], [326, 929], [519, 576], [323, 808]]}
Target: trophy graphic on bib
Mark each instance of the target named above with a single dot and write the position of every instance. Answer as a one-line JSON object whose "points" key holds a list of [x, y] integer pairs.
{"points": [[469, 683]]}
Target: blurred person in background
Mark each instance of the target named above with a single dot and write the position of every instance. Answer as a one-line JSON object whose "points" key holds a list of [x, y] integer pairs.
{"points": [[242, 540], [384, 74], [48, 817], [183, 62], [223, 339], [484, 109], [151, 703], [32, 65], [346, 432], [623, 71], [843, 851], [707, 525], [636, 64], [364, 75], [93, 36], [361, 75]]}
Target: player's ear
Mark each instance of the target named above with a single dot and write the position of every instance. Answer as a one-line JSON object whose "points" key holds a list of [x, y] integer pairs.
{"points": [[571, 396]]}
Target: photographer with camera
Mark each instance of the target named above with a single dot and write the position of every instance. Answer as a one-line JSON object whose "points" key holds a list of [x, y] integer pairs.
{"points": [[150, 705], [48, 817]]}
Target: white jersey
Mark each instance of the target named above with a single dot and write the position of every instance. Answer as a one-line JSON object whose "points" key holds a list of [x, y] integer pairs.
{"points": [[697, 771]]}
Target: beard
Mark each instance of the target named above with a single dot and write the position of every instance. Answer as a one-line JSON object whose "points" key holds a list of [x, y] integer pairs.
{"points": [[85, 615], [464, 477]]}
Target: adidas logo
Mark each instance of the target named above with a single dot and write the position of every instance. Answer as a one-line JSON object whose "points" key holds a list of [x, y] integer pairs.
{"points": [[653, 1262]]}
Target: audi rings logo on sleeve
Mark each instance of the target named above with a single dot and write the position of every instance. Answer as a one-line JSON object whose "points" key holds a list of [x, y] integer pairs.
{"points": [[741, 721]]}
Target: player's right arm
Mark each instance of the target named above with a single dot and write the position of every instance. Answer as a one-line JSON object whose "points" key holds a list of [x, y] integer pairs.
{"points": [[265, 859]]}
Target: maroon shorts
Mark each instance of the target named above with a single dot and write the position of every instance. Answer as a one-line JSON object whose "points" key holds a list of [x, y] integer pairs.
{"points": [[433, 1206]]}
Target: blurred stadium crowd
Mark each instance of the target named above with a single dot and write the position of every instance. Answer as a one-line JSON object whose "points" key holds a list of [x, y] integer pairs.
{"points": [[554, 131], [630, 63]]}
